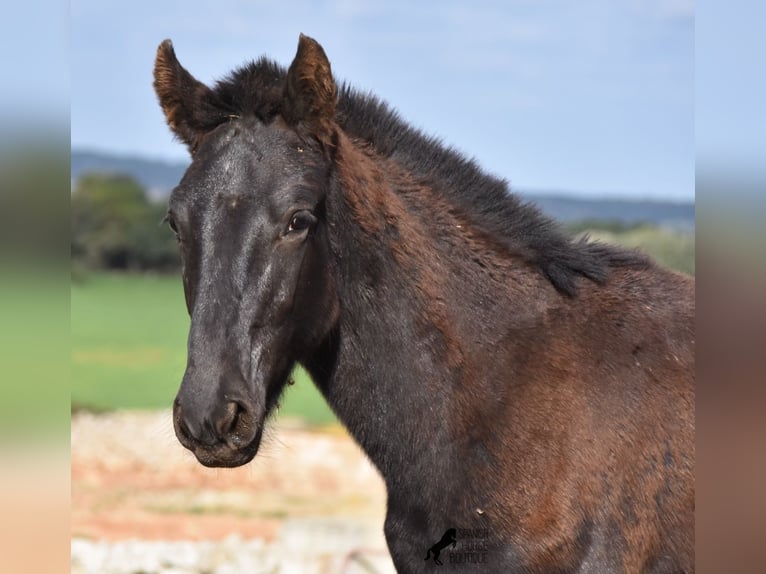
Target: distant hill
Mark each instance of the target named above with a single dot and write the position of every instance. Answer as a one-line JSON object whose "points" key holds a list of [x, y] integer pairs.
{"points": [[674, 215], [156, 176], [159, 177]]}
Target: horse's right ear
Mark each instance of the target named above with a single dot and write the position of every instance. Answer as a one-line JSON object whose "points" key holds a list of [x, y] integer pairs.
{"points": [[188, 104]]}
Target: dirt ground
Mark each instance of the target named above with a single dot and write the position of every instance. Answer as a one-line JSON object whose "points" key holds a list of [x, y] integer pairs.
{"points": [[131, 479]]}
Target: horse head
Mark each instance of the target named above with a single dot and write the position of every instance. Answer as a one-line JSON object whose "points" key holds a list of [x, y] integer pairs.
{"points": [[249, 218]]}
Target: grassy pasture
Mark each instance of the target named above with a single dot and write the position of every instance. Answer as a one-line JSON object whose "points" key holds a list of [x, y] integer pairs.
{"points": [[672, 249]]}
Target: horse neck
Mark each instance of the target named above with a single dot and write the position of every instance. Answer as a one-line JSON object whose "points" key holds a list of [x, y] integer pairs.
{"points": [[411, 278]]}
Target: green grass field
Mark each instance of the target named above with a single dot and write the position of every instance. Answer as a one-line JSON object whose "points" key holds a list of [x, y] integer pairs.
{"points": [[34, 329], [129, 347], [674, 250]]}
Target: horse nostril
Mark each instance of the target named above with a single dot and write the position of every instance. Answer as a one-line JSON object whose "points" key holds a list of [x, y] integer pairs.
{"points": [[183, 431], [227, 423], [236, 426]]}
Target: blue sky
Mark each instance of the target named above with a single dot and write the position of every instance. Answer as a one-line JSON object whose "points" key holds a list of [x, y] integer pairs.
{"points": [[594, 97]]}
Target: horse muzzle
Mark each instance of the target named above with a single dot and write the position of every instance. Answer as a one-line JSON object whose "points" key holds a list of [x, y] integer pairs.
{"points": [[228, 437]]}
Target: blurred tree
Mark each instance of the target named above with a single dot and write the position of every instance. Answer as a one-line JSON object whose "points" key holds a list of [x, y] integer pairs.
{"points": [[115, 226]]}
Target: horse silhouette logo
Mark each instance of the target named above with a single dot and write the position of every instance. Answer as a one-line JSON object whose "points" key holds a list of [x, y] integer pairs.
{"points": [[448, 538]]}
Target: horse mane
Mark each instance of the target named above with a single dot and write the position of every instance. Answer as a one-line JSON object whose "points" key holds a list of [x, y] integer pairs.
{"points": [[484, 200]]}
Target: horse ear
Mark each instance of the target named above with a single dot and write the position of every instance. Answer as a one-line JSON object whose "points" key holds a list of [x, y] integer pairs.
{"points": [[187, 103], [310, 91]]}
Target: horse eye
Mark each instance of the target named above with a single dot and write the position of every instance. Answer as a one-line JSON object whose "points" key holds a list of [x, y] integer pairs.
{"points": [[172, 224], [301, 221]]}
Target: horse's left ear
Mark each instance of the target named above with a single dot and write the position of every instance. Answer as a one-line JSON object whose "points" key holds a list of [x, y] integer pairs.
{"points": [[310, 91]]}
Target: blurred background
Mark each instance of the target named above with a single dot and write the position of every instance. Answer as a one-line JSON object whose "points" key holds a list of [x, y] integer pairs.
{"points": [[586, 109], [34, 287]]}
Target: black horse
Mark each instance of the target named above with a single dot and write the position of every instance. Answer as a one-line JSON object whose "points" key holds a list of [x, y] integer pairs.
{"points": [[500, 375], [449, 538]]}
